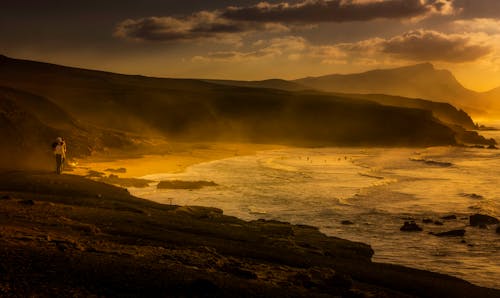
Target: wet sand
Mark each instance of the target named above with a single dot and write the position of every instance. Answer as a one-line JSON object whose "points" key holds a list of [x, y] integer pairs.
{"points": [[162, 158]]}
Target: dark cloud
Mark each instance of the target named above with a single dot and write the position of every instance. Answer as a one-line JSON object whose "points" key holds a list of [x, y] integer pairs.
{"points": [[478, 8], [422, 45], [201, 25], [317, 11], [265, 16]]}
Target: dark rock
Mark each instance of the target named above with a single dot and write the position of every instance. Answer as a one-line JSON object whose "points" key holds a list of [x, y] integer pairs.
{"points": [[347, 222], [177, 184], [492, 147], [472, 196], [236, 270], [321, 278], [94, 174], [119, 170], [27, 202], [410, 226], [498, 230], [203, 288], [449, 217], [438, 223], [481, 219], [452, 233], [427, 220]]}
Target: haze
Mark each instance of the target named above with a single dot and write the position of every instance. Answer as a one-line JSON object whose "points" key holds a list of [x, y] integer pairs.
{"points": [[248, 40]]}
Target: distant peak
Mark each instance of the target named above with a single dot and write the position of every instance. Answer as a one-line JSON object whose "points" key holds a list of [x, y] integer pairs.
{"points": [[424, 65]]}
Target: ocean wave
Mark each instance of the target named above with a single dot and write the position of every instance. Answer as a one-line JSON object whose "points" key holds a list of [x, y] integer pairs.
{"points": [[432, 162]]}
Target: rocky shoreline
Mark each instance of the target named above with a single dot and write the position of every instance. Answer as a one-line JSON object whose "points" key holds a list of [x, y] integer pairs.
{"points": [[70, 236]]}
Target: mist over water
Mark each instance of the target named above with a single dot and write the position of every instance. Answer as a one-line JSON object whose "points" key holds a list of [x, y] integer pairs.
{"points": [[377, 189]]}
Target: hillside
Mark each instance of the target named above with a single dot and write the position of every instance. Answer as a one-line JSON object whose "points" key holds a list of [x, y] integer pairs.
{"points": [[30, 123], [196, 110], [416, 81], [443, 111], [271, 84]]}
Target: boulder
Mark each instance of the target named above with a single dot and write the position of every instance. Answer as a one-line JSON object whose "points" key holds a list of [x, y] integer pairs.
{"points": [[481, 219], [410, 226], [452, 233], [449, 217], [27, 202]]}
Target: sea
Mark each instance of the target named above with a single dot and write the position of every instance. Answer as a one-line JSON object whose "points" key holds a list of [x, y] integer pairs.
{"points": [[375, 189]]}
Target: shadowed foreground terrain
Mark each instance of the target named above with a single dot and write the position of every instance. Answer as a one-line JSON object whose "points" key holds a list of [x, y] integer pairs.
{"points": [[69, 236]]}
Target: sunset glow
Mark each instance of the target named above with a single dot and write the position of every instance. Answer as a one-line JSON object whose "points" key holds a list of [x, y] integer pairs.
{"points": [[248, 40]]}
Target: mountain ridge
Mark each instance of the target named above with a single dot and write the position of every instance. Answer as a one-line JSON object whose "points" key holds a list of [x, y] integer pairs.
{"points": [[197, 110]]}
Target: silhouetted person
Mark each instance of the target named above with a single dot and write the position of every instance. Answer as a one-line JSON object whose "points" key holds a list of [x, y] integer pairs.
{"points": [[60, 153]]}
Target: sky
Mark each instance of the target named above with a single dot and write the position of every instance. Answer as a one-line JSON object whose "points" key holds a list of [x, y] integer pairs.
{"points": [[256, 40]]}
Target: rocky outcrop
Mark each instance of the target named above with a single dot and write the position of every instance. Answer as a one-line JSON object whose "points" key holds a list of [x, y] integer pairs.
{"points": [[178, 184], [481, 219], [85, 238], [452, 233], [410, 226]]}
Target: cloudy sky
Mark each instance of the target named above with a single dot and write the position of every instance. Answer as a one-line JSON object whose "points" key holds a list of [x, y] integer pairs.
{"points": [[250, 40]]}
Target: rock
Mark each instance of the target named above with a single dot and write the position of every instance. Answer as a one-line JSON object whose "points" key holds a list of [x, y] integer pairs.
{"points": [[203, 288], [347, 222], [452, 233], [178, 184], [236, 270], [438, 223], [27, 202], [410, 226], [6, 197], [449, 217], [492, 147], [481, 219], [498, 230], [427, 220], [320, 278], [119, 170]]}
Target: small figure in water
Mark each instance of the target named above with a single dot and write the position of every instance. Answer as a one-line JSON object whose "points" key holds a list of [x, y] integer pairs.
{"points": [[59, 148]]}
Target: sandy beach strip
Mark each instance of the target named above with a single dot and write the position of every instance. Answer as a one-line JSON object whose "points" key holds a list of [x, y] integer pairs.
{"points": [[170, 158]]}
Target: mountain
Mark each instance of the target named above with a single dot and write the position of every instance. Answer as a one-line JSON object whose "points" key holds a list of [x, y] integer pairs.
{"points": [[441, 110], [108, 107], [493, 97], [416, 81], [271, 84]]}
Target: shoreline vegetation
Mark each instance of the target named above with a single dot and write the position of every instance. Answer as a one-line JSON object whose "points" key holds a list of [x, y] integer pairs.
{"points": [[65, 235]]}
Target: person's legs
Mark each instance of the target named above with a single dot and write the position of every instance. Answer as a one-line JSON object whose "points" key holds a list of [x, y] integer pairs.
{"points": [[58, 163]]}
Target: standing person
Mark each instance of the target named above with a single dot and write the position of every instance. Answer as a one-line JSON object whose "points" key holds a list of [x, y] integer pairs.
{"points": [[60, 153]]}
